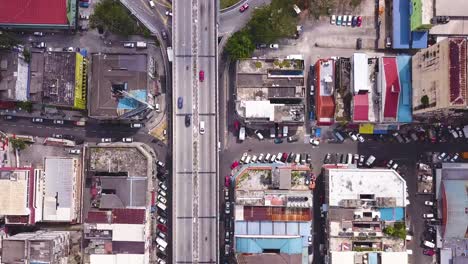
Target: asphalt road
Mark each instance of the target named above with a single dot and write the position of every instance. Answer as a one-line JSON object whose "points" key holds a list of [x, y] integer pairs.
{"points": [[194, 158], [231, 20]]}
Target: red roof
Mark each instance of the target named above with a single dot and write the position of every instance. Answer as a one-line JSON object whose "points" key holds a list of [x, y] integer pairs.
{"points": [[33, 12], [361, 107], [128, 216], [326, 107], [266, 213], [392, 87], [97, 217]]}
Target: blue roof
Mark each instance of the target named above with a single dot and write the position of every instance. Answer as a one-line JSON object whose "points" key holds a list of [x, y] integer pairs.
{"points": [[405, 103], [419, 39], [373, 258], [392, 214], [256, 245], [401, 24]]}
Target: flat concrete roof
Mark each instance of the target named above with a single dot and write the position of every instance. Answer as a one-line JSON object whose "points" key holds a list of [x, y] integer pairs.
{"points": [[109, 69], [351, 183], [451, 8]]}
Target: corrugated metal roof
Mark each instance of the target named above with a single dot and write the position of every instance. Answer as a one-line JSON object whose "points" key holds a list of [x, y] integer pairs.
{"points": [[401, 24], [456, 213], [361, 107], [392, 87], [404, 71], [128, 216], [256, 245], [419, 39], [33, 12], [97, 217]]}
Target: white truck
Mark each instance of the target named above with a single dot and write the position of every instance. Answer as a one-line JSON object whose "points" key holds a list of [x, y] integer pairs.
{"points": [[141, 45], [242, 134], [170, 54], [465, 131]]}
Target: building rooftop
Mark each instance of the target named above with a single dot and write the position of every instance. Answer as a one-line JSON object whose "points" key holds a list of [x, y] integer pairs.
{"points": [[326, 77], [351, 184], [405, 114], [117, 72], [14, 188], [33, 12], [60, 175], [110, 160], [401, 25], [14, 81], [452, 8], [325, 71], [390, 88]]}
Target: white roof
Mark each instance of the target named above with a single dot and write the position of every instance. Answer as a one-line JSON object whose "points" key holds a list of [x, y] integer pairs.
{"points": [[342, 257], [259, 109], [360, 72], [124, 232], [13, 194], [393, 257], [117, 259], [350, 183]]}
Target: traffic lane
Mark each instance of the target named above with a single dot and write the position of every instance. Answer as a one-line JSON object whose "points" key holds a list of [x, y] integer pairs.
{"points": [[232, 20], [207, 217], [206, 30], [206, 89], [409, 151], [182, 28], [183, 219]]}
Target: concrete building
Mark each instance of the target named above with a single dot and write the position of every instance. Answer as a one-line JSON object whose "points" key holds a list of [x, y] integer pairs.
{"points": [[452, 200], [120, 86], [271, 91], [456, 11], [272, 214], [440, 80], [38, 14], [48, 247], [410, 23], [325, 83], [359, 204], [15, 74], [117, 205], [17, 191]]}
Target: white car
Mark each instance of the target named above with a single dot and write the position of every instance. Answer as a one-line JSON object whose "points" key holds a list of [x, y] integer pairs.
{"points": [[37, 120], [161, 220], [160, 163], [442, 156], [106, 140], [254, 159], [314, 141], [136, 125], [162, 199], [162, 186], [455, 157], [129, 45], [69, 49], [75, 151], [274, 46], [428, 203], [39, 34], [160, 248], [168, 13], [127, 140], [360, 138], [427, 216], [58, 122], [244, 156], [162, 192], [333, 20], [352, 136], [260, 157]]}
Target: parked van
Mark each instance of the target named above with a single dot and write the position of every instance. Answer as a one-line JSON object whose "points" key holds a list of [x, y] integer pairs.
{"points": [[297, 159], [259, 135], [339, 136], [370, 160], [285, 131], [161, 242], [428, 244], [161, 206], [151, 3], [248, 159]]}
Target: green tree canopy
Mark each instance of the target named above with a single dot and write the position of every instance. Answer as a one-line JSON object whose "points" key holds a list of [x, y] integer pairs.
{"points": [[7, 40], [240, 45], [17, 143], [111, 15]]}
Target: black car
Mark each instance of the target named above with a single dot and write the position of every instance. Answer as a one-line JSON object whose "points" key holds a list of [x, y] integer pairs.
{"points": [[187, 120], [161, 255], [164, 34], [69, 137], [290, 157], [162, 213]]}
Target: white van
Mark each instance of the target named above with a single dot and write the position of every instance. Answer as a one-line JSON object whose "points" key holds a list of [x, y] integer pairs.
{"points": [[297, 159], [242, 134], [259, 135], [428, 244], [370, 160], [247, 160], [285, 131], [161, 206], [267, 157], [202, 127], [161, 242], [151, 3]]}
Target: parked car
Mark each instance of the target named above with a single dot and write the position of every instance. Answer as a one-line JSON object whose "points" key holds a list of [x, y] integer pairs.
{"points": [[58, 122], [428, 203], [360, 138], [244, 7], [69, 49], [455, 157], [261, 157], [339, 20], [162, 199], [429, 252], [352, 136], [187, 120], [160, 164], [427, 216], [354, 21], [127, 140], [39, 45], [293, 139], [136, 125], [75, 151], [106, 140], [84, 17], [359, 21], [227, 209], [161, 220], [162, 227], [274, 46], [38, 34], [162, 186], [227, 180], [168, 13], [333, 20], [442, 156], [129, 45]]}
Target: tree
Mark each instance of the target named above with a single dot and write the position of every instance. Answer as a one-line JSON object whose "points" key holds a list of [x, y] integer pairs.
{"points": [[110, 15], [18, 144], [240, 45], [425, 100], [7, 41], [397, 230], [27, 106], [269, 23], [27, 55]]}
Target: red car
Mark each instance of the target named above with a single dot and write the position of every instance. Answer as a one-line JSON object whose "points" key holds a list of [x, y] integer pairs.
{"points": [[227, 181], [234, 165], [244, 7], [359, 21], [429, 252], [162, 228], [201, 76]]}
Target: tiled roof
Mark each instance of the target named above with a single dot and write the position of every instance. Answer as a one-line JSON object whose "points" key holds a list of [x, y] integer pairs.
{"points": [[33, 12], [392, 87], [263, 213], [97, 217], [361, 107], [327, 107], [128, 216], [457, 71]]}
